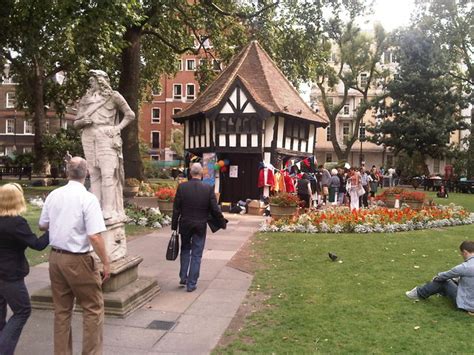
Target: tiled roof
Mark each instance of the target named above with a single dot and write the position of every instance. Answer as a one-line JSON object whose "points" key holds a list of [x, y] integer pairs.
{"points": [[264, 81]]}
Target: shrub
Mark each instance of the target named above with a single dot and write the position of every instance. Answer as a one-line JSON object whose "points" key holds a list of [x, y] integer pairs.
{"points": [[284, 199], [414, 196], [132, 182]]}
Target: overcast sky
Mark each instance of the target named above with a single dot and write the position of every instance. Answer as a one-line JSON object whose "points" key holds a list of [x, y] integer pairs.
{"points": [[392, 13]]}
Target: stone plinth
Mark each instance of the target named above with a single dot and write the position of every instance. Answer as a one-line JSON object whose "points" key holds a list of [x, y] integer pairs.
{"points": [[124, 292]]}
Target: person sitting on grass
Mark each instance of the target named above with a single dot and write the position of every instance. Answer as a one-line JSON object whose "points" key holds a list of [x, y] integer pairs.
{"points": [[457, 283]]}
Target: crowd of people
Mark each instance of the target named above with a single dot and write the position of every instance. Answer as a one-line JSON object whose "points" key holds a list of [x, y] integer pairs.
{"points": [[349, 186]]}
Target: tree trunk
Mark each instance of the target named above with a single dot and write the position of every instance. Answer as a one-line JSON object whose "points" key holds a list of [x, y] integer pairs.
{"points": [[39, 117], [129, 87], [470, 151]]}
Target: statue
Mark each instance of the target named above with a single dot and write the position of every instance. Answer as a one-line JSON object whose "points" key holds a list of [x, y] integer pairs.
{"points": [[98, 117]]}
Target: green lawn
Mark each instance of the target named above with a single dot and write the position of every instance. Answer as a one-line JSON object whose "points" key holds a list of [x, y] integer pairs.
{"points": [[359, 305]]}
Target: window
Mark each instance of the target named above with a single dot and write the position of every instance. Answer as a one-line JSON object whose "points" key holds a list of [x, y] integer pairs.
{"points": [[10, 126], [197, 127], [27, 149], [330, 101], [436, 166], [333, 57], [216, 65], [46, 127], [155, 115], [190, 64], [387, 57], [155, 157], [296, 129], [177, 91], [64, 124], [176, 110], [190, 92], [231, 124], [202, 62], [363, 79], [328, 133], [346, 131], [9, 150], [179, 65], [155, 139], [156, 91], [10, 100], [362, 131], [345, 110], [328, 157], [28, 127]]}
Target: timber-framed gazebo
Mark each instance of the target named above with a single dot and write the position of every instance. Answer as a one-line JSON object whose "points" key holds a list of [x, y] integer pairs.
{"points": [[250, 114]]}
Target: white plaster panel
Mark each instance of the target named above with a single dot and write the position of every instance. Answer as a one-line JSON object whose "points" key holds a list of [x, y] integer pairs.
{"points": [[191, 142], [254, 140], [222, 140], [249, 108], [186, 136], [281, 126], [295, 144], [288, 143], [203, 140], [311, 141], [243, 98], [303, 146], [227, 108], [233, 98], [232, 140], [266, 157], [208, 133], [269, 127], [243, 140]]}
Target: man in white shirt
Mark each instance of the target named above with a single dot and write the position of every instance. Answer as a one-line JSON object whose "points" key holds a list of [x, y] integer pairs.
{"points": [[74, 219]]}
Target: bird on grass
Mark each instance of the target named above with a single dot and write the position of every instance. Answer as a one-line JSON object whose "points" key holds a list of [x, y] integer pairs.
{"points": [[332, 256]]}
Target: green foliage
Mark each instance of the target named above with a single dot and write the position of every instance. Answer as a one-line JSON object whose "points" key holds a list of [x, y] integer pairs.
{"points": [[177, 143], [425, 104], [56, 146], [24, 159]]}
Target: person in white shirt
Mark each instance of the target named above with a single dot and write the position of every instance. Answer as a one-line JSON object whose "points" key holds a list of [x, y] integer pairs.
{"points": [[74, 219], [391, 177]]}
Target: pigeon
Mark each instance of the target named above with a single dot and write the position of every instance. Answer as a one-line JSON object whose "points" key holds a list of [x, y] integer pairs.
{"points": [[332, 256]]}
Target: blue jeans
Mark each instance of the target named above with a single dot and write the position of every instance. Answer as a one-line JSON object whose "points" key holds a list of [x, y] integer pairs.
{"points": [[15, 294], [446, 288], [192, 247]]}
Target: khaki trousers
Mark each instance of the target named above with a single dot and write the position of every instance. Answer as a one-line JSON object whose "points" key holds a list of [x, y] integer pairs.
{"points": [[76, 276]]}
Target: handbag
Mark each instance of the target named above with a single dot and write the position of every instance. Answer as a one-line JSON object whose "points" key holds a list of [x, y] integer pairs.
{"points": [[173, 247], [360, 190]]}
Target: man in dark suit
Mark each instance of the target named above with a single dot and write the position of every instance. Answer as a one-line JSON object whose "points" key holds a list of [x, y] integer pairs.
{"points": [[193, 204]]}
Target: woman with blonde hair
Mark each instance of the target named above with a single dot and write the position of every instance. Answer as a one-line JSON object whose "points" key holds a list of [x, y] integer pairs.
{"points": [[15, 237]]}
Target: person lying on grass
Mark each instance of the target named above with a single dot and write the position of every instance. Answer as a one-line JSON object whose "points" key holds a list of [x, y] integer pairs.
{"points": [[457, 283]]}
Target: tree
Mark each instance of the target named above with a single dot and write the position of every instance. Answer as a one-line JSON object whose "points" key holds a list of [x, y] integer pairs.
{"points": [[43, 38], [177, 143], [450, 24], [161, 31], [301, 37], [424, 104]]}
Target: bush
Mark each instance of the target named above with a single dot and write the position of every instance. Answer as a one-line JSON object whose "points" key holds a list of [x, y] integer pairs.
{"points": [[284, 199]]}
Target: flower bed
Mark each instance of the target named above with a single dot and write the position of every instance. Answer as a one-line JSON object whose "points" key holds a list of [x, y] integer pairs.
{"points": [[375, 219], [146, 217]]}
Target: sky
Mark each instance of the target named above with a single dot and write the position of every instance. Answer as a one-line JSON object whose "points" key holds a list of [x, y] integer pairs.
{"points": [[392, 13]]}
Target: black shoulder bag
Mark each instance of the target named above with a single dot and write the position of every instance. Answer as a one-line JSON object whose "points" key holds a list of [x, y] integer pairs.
{"points": [[173, 247]]}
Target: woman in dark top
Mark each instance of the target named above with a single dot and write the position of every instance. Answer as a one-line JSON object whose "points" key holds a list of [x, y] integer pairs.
{"points": [[15, 237], [303, 189]]}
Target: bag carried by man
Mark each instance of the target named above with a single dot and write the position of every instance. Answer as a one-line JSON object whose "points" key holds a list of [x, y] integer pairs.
{"points": [[173, 247]]}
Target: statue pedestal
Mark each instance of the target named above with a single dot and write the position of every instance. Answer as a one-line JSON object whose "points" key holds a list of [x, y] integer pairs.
{"points": [[125, 291]]}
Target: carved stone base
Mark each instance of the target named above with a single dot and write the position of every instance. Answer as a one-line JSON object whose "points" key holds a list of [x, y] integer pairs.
{"points": [[124, 292], [115, 241]]}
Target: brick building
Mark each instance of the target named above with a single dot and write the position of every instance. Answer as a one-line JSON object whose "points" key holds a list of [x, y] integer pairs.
{"points": [[177, 94], [17, 128]]}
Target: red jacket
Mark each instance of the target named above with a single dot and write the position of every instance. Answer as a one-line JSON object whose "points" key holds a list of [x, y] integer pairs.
{"points": [[269, 181]]}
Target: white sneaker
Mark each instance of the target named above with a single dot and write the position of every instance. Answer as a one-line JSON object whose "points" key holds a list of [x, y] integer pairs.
{"points": [[413, 294]]}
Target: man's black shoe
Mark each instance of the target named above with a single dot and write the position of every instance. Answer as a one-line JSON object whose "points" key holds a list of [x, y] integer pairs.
{"points": [[191, 289], [182, 282]]}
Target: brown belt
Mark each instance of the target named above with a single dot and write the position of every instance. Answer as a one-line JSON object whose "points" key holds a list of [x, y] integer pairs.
{"points": [[62, 251]]}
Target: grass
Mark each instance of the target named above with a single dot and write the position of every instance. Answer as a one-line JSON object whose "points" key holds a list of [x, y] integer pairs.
{"points": [[356, 306]]}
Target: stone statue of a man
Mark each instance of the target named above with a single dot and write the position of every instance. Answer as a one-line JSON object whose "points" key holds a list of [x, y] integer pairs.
{"points": [[98, 117]]}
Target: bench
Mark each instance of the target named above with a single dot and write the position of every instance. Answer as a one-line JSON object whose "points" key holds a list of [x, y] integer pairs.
{"points": [[15, 171]]}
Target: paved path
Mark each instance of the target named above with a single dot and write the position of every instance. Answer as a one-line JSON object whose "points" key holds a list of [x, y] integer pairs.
{"points": [[196, 320]]}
